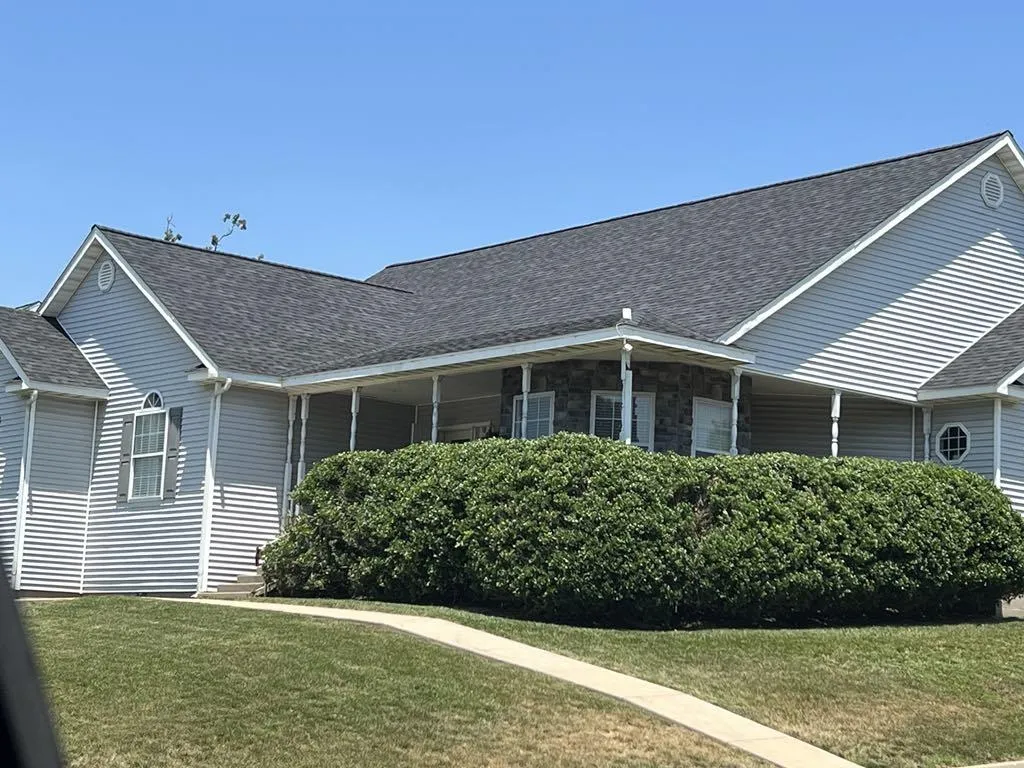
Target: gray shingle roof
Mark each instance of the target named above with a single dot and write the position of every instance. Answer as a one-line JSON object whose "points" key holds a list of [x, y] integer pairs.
{"points": [[695, 269], [44, 352], [264, 318], [703, 267], [988, 361]]}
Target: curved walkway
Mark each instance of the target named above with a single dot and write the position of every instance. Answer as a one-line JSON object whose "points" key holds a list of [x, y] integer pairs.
{"points": [[688, 711]]}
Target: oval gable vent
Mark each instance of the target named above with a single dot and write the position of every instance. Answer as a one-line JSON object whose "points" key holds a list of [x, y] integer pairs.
{"points": [[105, 276], [992, 190]]}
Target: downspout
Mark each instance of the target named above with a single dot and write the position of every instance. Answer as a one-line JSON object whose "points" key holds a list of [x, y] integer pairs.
{"points": [[997, 442], [209, 479], [24, 485], [88, 494]]}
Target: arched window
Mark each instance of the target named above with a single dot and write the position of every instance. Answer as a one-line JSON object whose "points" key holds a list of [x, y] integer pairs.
{"points": [[149, 448]]}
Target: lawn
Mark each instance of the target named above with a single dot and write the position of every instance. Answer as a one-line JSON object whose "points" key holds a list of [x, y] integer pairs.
{"points": [[146, 683], [896, 696]]}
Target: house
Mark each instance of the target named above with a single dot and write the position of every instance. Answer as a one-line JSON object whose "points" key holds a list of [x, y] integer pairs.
{"points": [[161, 400]]}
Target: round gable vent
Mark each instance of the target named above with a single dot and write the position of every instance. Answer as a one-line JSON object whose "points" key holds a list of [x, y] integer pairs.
{"points": [[105, 276], [992, 190]]}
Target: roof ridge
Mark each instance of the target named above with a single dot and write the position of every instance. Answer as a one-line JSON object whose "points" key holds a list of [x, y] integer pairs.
{"points": [[250, 259], [734, 193]]}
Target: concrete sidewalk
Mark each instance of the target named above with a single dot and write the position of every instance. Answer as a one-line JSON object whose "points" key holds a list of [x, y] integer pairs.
{"points": [[690, 712]]}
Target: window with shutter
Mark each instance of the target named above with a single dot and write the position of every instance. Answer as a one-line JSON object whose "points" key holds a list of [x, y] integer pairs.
{"points": [[606, 416], [149, 448], [540, 415], [712, 426]]}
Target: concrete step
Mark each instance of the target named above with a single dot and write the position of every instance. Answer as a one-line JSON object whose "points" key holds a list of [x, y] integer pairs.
{"points": [[225, 595], [241, 586]]}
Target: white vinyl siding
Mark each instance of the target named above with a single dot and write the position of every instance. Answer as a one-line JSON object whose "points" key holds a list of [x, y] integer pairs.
{"points": [[1012, 454], [12, 432], [712, 426], [803, 424], [143, 545], [540, 415], [248, 496], [978, 418], [55, 523], [895, 314]]}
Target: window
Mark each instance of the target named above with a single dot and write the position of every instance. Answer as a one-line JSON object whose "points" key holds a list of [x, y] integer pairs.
{"points": [[149, 445], [712, 427], [540, 415], [954, 443], [606, 416]]}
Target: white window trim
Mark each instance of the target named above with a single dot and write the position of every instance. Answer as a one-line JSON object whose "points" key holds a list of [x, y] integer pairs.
{"points": [[162, 453], [693, 420], [938, 443], [618, 394], [550, 396]]}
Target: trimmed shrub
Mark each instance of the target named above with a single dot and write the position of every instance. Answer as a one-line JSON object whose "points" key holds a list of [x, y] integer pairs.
{"points": [[581, 529]]}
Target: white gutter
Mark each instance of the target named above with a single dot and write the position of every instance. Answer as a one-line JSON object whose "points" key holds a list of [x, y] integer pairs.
{"points": [[997, 441], [27, 385], [24, 486], [209, 478]]}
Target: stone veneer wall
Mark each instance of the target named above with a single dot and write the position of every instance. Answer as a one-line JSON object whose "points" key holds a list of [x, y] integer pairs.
{"points": [[674, 384]]}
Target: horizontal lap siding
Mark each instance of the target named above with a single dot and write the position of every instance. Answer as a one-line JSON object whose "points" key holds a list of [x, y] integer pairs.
{"points": [[12, 432], [900, 311], [250, 472], [151, 545], [801, 424], [1012, 454], [55, 522], [978, 417], [381, 426]]}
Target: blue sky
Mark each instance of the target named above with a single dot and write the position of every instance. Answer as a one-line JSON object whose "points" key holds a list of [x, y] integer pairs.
{"points": [[352, 135]]}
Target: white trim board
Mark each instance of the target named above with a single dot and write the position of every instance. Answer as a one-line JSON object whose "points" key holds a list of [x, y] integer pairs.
{"points": [[58, 389], [738, 331], [48, 308]]}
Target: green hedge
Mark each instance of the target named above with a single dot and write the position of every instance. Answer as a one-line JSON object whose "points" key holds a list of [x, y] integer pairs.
{"points": [[580, 529]]}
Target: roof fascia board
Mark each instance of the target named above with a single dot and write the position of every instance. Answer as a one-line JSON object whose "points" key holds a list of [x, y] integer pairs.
{"points": [[948, 393], [98, 237], [740, 330], [9, 357], [240, 379], [482, 354], [58, 389]]}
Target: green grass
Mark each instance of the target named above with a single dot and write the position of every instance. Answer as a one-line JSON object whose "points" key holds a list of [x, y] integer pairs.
{"points": [[893, 696], [146, 683]]}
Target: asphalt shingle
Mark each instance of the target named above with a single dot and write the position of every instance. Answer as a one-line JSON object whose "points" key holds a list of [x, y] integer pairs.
{"points": [[988, 361], [43, 350], [696, 269]]}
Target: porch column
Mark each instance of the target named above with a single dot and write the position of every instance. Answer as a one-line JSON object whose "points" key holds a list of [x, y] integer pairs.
{"points": [[626, 374], [527, 377], [353, 421], [735, 426], [285, 502], [836, 398], [304, 417], [435, 401], [927, 426]]}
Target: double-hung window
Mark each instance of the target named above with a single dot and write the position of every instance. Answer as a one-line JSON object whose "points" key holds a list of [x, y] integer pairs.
{"points": [[606, 417], [540, 415], [149, 448], [712, 427]]}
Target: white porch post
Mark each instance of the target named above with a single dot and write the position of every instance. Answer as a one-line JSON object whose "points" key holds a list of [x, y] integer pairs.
{"points": [[626, 374], [527, 379], [304, 417], [836, 399], [353, 422], [734, 427], [927, 426], [285, 501], [435, 401]]}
